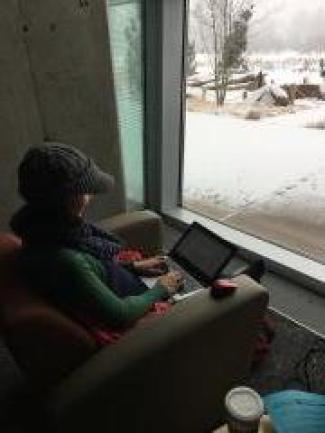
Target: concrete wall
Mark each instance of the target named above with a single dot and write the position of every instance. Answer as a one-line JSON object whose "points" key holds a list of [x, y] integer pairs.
{"points": [[19, 118], [56, 84]]}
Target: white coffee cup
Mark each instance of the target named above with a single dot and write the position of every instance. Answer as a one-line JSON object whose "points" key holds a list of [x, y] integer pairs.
{"points": [[245, 408]]}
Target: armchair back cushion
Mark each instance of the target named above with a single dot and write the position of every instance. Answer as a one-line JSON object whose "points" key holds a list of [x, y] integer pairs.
{"points": [[46, 344]]}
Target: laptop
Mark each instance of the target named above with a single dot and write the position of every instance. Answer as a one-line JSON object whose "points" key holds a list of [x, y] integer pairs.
{"points": [[200, 256]]}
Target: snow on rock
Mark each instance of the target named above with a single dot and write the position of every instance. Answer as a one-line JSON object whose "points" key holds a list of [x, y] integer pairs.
{"points": [[280, 96], [270, 95]]}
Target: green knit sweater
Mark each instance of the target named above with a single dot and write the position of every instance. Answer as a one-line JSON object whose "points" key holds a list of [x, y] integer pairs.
{"points": [[76, 281]]}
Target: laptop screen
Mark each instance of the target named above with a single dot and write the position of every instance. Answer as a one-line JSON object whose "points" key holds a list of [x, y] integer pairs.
{"points": [[202, 253]]}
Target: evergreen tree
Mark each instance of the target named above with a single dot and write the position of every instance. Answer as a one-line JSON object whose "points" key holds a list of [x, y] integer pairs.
{"points": [[236, 40]]}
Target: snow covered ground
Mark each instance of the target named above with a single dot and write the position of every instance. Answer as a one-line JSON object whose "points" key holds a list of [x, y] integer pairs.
{"points": [[274, 166], [237, 162]]}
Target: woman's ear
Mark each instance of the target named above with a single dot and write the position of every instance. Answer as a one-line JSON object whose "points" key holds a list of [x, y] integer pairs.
{"points": [[77, 205]]}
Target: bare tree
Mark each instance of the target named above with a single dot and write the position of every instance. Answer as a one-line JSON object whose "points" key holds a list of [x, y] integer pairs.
{"points": [[190, 64], [222, 26]]}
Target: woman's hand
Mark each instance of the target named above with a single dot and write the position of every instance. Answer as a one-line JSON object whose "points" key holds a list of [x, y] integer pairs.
{"points": [[153, 267], [173, 281]]}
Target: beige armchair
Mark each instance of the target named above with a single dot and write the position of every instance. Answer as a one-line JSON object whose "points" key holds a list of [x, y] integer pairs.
{"points": [[167, 376]]}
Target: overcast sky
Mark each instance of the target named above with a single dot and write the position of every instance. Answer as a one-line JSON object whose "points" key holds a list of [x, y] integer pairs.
{"points": [[280, 25], [288, 24]]}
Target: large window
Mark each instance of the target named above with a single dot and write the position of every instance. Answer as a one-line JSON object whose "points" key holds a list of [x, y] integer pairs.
{"points": [[254, 152], [125, 19]]}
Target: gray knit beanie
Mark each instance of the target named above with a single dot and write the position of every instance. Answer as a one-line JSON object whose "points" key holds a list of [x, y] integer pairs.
{"points": [[54, 171]]}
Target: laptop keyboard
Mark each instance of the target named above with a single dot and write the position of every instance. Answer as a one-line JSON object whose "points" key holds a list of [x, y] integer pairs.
{"points": [[190, 283]]}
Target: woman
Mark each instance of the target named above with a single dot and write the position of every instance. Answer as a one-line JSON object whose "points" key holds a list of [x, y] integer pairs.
{"points": [[74, 263]]}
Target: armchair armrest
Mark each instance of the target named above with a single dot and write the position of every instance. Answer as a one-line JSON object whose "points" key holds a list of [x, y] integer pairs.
{"points": [[171, 376], [141, 229]]}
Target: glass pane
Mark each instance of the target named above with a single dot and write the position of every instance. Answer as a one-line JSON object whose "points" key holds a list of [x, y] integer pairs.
{"points": [[255, 122], [125, 19]]}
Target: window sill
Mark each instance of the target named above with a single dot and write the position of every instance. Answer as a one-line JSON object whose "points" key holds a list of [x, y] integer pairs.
{"points": [[297, 268]]}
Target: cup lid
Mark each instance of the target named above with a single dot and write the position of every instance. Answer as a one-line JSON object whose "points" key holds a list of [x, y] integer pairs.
{"points": [[244, 404]]}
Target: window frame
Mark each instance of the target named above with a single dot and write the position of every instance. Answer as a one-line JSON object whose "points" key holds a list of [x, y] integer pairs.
{"points": [[164, 40], [165, 30]]}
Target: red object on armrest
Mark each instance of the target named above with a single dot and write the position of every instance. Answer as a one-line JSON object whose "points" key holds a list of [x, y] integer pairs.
{"points": [[222, 288]]}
